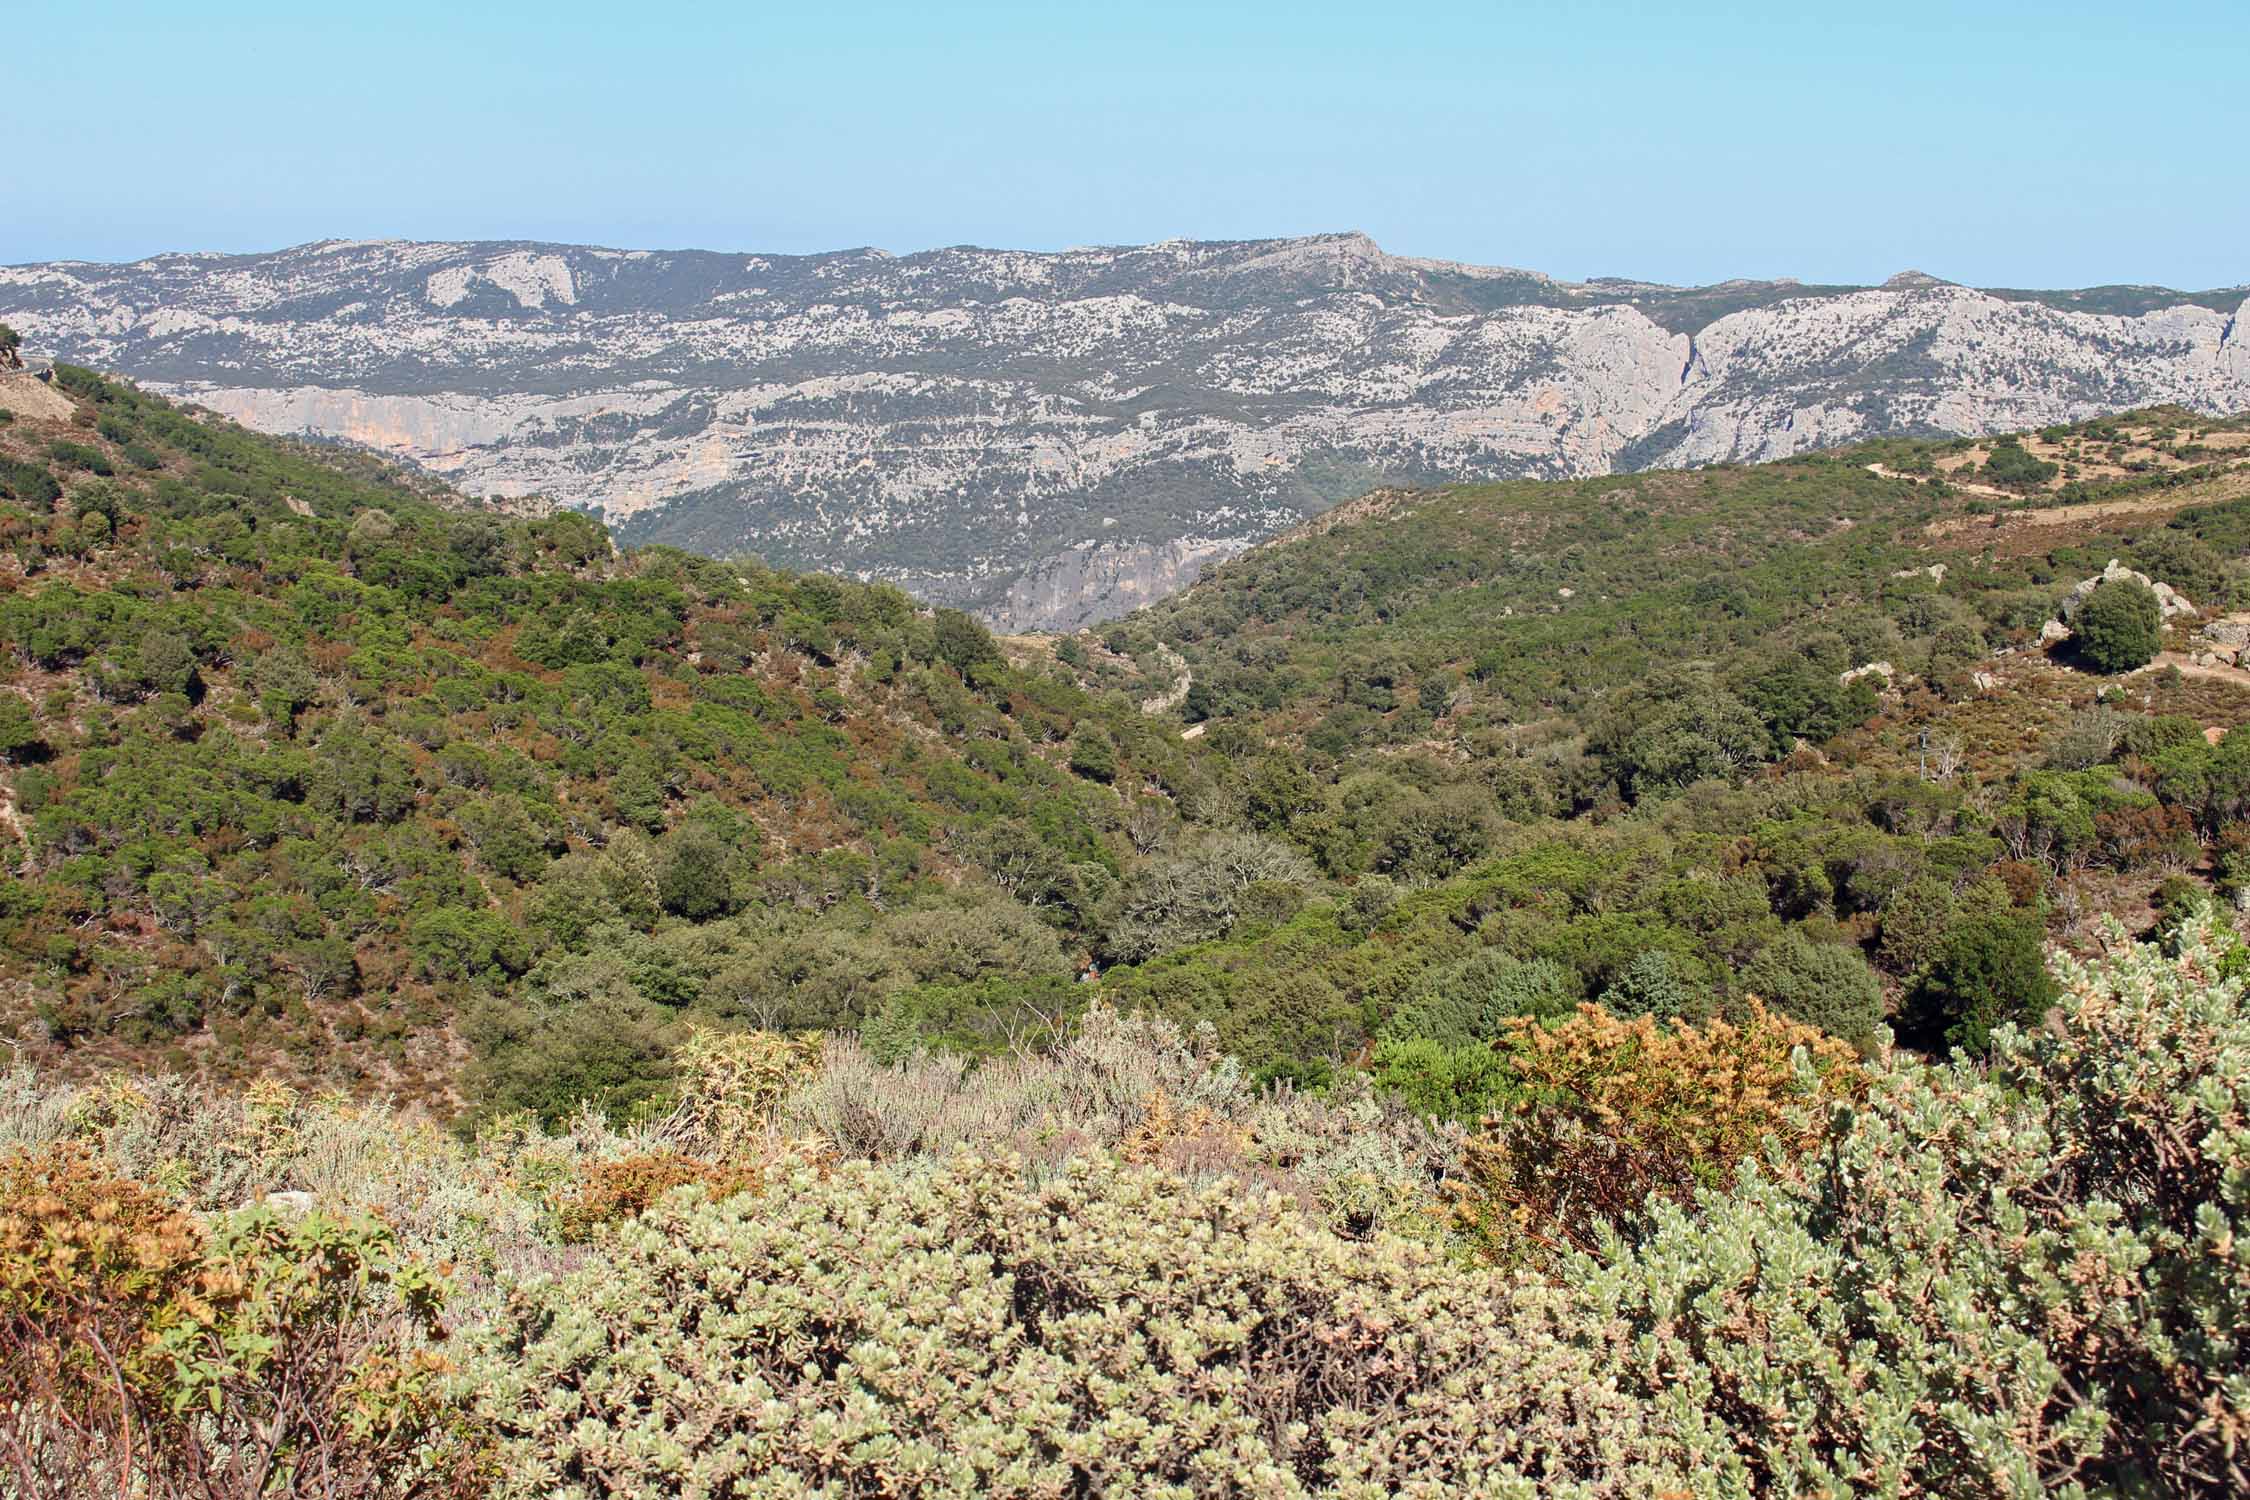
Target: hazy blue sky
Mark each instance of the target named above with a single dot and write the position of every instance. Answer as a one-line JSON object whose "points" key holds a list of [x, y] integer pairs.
{"points": [[2029, 144]]}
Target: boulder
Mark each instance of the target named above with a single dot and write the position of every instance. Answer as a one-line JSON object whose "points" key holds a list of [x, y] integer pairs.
{"points": [[2169, 599], [1882, 669]]}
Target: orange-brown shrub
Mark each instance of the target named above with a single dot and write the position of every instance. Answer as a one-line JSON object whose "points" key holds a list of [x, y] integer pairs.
{"points": [[607, 1192], [1607, 1113], [143, 1354], [2133, 838], [1183, 1139]]}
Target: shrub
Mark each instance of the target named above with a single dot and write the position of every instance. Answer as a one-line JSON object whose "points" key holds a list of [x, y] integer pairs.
{"points": [[2089, 739], [28, 482], [1992, 1277], [270, 1357], [1460, 1082], [695, 878], [1373, 898], [1356, 1159], [613, 1053], [609, 1192], [2011, 466], [2119, 627], [1195, 895], [1649, 984], [1113, 1331], [20, 735], [1094, 756], [962, 643], [1657, 747], [731, 1085], [1472, 999], [1990, 971], [1605, 1115], [79, 456], [1821, 984], [1989, 1280]]}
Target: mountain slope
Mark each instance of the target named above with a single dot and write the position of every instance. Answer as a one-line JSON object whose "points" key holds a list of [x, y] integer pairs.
{"points": [[307, 773], [1053, 438], [1458, 611], [1796, 730]]}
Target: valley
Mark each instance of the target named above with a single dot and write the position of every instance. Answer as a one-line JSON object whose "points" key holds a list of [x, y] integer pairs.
{"points": [[1460, 922]]}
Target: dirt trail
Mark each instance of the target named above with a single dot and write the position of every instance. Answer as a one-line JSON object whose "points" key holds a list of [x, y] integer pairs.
{"points": [[1175, 695], [1884, 471], [2188, 668], [2226, 487]]}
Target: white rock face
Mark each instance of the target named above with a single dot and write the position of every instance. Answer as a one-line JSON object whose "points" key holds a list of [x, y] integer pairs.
{"points": [[1049, 437]]}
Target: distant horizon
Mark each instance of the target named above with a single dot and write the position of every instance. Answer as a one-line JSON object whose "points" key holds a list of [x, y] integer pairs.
{"points": [[1088, 246]]}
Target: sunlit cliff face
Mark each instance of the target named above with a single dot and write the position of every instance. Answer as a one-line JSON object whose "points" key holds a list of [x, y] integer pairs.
{"points": [[1056, 438]]}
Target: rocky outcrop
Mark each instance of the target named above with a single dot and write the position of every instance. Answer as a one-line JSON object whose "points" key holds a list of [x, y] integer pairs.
{"points": [[2223, 642], [2170, 600], [1100, 581], [1040, 435], [26, 395]]}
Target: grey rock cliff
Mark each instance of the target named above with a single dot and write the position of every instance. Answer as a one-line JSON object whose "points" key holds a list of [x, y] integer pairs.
{"points": [[1053, 438]]}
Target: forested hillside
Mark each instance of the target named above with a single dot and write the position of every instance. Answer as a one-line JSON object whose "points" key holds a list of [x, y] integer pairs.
{"points": [[310, 774], [1552, 989], [314, 773], [1802, 729]]}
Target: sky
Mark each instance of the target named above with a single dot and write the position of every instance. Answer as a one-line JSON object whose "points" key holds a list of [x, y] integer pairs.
{"points": [[2000, 144]]}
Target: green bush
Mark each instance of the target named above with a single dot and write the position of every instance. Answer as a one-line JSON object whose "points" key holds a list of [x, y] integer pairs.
{"points": [[20, 735], [2119, 627], [1443, 1082], [695, 877], [1472, 999], [1821, 984], [2010, 465], [1093, 756], [1989, 972], [1650, 984]]}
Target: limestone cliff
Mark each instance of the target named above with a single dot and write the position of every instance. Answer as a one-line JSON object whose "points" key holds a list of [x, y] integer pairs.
{"points": [[1051, 437]]}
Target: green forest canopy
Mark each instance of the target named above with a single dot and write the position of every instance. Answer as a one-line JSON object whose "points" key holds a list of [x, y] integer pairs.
{"points": [[316, 770]]}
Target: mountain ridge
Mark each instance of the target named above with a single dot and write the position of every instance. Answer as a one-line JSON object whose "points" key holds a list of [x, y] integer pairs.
{"points": [[1048, 437]]}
